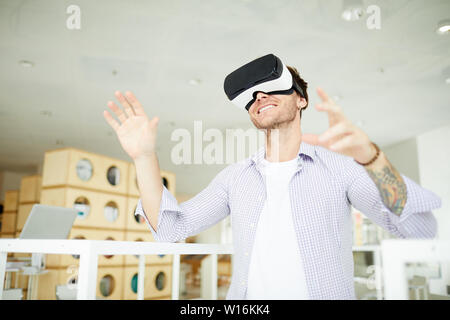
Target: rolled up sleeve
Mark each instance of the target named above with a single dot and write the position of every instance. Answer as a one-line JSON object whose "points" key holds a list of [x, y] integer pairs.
{"points": [[178, 221], [170, 226], [415, 221]]}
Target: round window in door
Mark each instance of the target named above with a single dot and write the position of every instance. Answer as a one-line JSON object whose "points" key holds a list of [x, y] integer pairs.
{"points": [[113, 176], [107, 285], [134, 283], [111, 211], [165, 182], [160, 281], [84, 169], [83, 207]]}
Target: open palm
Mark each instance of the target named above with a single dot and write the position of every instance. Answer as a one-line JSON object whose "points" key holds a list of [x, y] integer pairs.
{"points": [[135, 130]]}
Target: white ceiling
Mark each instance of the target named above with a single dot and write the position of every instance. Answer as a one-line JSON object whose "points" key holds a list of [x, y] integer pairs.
{"points": [[391, 79]]}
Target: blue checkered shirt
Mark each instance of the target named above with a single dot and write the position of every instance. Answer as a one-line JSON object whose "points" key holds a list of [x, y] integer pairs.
{"points": [[322, 191]]}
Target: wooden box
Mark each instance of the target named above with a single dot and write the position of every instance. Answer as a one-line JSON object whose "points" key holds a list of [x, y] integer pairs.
{"points": [[7, 235], [149, 259], [157, 282], [65, 260], [9, 222], [92, 205], [109, 282], [11, 201], [22, 215], [30, 189], [79, 168]]}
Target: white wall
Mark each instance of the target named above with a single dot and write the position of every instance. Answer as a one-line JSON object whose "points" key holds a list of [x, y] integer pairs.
{"points": [[404, 157], [434, 163], [426, 160]]}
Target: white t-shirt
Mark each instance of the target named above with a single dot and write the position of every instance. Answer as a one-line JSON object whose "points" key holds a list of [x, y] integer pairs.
{"points": [[276, 270]]}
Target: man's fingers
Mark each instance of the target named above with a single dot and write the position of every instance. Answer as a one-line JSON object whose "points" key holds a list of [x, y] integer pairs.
{"points": [[138, 109], [335, 131], [119, 113], [324, 96], [335, 113], [343, 143], [112, 122], [125, 103]]}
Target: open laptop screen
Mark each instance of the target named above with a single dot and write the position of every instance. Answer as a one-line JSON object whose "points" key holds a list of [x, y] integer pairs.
{"points": [[48, 222]]}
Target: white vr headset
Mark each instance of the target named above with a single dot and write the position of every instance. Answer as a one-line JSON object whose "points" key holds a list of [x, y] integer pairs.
{"points": [[266, 74]]}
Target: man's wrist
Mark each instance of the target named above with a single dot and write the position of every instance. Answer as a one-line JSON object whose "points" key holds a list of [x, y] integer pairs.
{"points": [[145, 159]]}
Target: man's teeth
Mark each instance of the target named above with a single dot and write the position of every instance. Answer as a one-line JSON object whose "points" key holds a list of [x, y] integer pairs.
{"points": [[265, 108]]}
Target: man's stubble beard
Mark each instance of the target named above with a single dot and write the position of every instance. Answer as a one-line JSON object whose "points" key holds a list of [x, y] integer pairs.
{"points": [[278, 123]]}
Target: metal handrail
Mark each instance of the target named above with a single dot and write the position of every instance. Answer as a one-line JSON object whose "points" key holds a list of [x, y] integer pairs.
{"points": [[89, 250]]}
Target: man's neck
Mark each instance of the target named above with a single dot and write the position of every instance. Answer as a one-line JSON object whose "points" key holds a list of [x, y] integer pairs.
{"points": [[282, 144]]}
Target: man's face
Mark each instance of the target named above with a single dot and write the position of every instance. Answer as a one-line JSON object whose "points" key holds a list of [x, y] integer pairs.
{"points": [[269, 111]]}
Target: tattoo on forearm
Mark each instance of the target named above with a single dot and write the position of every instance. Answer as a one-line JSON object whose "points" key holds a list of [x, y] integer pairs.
{"points": [[390, 184]]}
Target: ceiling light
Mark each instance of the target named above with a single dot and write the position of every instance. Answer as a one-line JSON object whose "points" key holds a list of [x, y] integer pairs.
{"points": [[443, 27], [26, 63], [194, 82], [352, 10]]}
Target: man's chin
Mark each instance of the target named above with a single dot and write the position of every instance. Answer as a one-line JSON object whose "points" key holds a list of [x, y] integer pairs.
{"points": [[266, 123]]}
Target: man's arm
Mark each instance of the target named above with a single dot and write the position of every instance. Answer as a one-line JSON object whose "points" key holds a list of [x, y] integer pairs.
{"points": [[409, 216], [150, 186], [389, 182], [176, 221]]}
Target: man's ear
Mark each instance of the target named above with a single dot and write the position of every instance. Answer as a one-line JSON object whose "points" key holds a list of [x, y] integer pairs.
{"points": [[301, 102]]}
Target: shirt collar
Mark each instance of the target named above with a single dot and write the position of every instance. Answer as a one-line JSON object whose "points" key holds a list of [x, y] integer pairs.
{"points": [[305, 150]]}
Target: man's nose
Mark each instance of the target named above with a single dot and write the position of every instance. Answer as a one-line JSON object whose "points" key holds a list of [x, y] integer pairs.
{"points": [[260, 95]]}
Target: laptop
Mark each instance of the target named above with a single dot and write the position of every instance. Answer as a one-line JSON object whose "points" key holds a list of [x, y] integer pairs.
{"points": [[48, 222]]}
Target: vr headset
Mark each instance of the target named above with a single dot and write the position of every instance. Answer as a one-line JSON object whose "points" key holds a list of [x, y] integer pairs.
{"points": [[266, 74]]}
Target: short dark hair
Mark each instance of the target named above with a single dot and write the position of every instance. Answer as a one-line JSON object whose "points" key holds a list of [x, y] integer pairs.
{"points": [[302, 83]]}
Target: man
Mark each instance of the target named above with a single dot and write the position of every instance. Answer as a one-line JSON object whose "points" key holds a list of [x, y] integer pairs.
{"points": [[290, 202]]}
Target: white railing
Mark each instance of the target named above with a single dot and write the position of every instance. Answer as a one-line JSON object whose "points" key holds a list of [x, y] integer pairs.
{"points": [[89, 250], [395, 253]]}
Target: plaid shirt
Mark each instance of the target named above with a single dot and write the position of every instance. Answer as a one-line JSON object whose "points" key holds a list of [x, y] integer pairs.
{"points": [[322, 191]]}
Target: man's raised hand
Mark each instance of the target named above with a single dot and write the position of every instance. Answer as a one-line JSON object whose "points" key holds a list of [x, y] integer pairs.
{"points": [[135, 130]]}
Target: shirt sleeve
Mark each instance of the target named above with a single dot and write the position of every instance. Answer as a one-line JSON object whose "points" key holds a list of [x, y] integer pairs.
{"points": [[177, 221], [416, 219]]}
